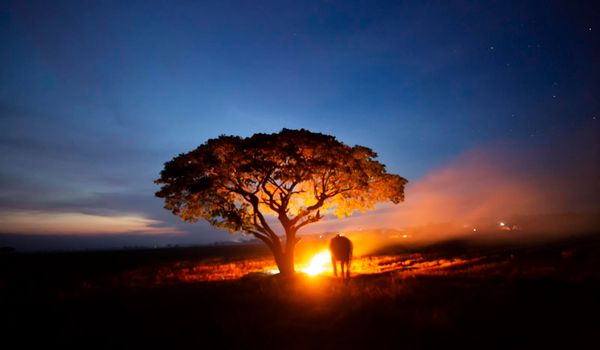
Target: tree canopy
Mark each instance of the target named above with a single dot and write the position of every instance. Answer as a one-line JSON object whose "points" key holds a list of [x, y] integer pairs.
{"points": [[295, 175]]}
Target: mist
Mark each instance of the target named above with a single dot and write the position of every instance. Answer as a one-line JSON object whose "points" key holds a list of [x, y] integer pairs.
{"points": [[532, 189]]}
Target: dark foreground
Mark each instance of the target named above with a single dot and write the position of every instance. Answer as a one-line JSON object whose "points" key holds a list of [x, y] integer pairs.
{"points": [[530, 296]]}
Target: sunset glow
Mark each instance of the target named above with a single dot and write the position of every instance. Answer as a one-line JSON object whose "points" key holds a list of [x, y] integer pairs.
{"points": [[318, 264], [220, 270], [79, 223]]}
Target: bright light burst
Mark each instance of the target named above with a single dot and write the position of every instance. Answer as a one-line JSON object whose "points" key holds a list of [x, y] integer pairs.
{"points": [[319, 263]]}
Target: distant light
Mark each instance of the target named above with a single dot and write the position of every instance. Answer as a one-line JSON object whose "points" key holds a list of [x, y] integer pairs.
{"points": [[474, 230], [502, 224], [404, 236]]}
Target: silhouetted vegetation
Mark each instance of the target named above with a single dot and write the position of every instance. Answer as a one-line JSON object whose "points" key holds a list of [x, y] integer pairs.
{"points": [[6, 250]]}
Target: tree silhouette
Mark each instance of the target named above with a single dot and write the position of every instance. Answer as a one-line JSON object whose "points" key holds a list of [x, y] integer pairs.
{"points": [[295, 175]]}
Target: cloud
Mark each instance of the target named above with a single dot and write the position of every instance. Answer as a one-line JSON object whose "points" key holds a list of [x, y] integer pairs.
{"points": [[496, 181], [78, 223]]}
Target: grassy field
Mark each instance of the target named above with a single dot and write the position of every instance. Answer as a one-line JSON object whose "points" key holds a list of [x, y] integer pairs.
{"points": [[458, 294]]}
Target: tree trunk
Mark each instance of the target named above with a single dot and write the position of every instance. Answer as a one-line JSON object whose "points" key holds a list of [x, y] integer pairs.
{"points": [[286, 267], [278, 255], [285, 259], [290, 245]]}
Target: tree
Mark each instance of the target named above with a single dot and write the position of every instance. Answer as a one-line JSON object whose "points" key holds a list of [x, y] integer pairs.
{"points": [[295, 175]]}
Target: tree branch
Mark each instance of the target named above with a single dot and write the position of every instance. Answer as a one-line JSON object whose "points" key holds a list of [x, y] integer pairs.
{"points": [[309, 220], [309, 209], [262, 237], [253, 200], [279, 187], [263, 222], [272, 203]]}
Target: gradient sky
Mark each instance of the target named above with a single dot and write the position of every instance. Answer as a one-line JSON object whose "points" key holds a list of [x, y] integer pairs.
{"points": [[96, 95]]}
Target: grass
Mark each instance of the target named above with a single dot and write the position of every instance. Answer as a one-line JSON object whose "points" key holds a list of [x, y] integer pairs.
{"points": [[454, 294]]}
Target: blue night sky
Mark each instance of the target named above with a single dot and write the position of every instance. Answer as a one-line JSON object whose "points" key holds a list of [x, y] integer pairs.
{"points": [[96, 95]]}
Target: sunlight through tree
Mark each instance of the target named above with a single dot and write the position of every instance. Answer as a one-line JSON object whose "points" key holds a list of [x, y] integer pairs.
{"points": [[297, 176]]}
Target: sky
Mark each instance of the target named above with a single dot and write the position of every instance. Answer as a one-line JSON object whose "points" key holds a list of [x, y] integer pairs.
{"points": [[95, 96]]}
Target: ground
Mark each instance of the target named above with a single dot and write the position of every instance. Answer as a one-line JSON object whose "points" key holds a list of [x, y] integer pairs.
{"points": [[455, 294]]}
